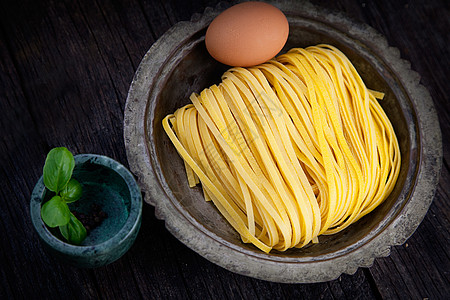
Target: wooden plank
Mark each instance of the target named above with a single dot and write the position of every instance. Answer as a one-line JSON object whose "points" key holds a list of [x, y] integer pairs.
{"points": [[183, 10], [154, 265], [220, 282], [156, 17], [106, 45], [23, 259], [116, 280], [415, 29], [357, 286], [197, 286], [128, 25], [422, 263], [81, 95], [336, 289], [267, 290], [307, 291]]}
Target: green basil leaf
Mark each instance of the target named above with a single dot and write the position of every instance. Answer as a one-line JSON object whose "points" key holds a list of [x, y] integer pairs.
{"points": [[73, 231], [72, 191], [55, 212], [58, 168]]}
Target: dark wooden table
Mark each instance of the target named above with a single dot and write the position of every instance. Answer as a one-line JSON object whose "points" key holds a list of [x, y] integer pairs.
{"points": [[65, 70]]}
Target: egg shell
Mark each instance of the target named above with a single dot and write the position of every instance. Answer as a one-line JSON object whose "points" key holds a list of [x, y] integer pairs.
{"points": [[247, 34]]}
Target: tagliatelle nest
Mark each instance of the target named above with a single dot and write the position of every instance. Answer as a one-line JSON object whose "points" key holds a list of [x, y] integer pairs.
{"points": [[289, 149]]}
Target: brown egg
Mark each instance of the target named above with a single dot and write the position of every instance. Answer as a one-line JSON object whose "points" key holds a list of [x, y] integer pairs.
{"points": [[247, 34]]}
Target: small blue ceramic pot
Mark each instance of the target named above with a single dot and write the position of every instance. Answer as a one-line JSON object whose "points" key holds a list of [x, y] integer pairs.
{"points": [[108, 184]]}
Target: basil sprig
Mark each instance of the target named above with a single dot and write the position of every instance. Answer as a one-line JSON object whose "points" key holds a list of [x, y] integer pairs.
{"points": [[58, 170]]}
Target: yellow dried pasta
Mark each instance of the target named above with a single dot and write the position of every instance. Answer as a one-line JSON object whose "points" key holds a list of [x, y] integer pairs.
{"points": [[289, 149]]}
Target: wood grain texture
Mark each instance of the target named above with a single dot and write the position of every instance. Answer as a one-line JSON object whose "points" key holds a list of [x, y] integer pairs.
{"points": [[65, 70]]}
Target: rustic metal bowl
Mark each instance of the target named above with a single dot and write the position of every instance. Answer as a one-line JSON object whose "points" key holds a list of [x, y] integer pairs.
{"points": [[178, 64]]}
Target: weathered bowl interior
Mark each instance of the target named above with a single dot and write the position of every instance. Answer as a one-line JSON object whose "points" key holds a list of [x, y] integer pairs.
{"points": [[179, 64], [198, 70]]}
